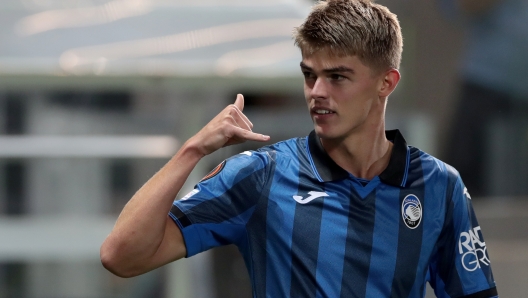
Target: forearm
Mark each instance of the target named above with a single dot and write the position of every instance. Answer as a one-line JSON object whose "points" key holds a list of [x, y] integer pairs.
{"points": [[143, 237], [140, 228]]}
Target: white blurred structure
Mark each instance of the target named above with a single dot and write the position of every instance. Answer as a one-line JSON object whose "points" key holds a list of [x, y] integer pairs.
{"points": [[149, 37], [103, 93]]}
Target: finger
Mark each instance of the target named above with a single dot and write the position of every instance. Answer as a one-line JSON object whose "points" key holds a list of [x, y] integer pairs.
{"points": [[250, 136], [239, 122], [239, 107], [243, 118], [239, 102]]}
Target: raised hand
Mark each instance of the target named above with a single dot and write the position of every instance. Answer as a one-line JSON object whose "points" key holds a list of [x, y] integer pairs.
{"points": [[229, 127]]}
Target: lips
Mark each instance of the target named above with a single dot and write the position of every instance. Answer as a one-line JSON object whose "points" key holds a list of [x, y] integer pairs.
{"points": [[322, 111]]}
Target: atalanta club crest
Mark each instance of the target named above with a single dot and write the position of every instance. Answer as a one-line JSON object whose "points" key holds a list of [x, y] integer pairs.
{"points": [[411, 211]]}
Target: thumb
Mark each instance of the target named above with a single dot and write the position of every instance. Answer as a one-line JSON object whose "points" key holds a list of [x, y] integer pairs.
{"points": [[239, 102]]}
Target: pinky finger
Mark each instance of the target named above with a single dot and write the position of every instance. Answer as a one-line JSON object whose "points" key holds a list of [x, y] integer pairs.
{"points": [[251, 136]]}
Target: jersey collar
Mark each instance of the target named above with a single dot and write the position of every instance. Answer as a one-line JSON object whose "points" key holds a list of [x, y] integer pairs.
{"points": [[326, 170]]}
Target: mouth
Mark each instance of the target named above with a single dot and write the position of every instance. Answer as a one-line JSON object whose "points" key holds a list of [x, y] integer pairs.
{"points": [[322, 111]]}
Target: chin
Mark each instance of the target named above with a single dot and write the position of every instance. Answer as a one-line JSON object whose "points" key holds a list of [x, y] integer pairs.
{"points": [[333, 133], [325, 133]]}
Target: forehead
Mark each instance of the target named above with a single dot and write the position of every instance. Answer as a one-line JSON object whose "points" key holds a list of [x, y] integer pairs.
{"points": [[325, 59]]}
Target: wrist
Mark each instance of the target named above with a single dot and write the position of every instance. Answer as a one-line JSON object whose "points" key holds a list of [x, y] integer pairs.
{"points": [[191, 150]]}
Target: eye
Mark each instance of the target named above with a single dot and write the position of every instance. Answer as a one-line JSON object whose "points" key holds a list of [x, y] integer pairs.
{"points": [[337, 77], [308, 75]]}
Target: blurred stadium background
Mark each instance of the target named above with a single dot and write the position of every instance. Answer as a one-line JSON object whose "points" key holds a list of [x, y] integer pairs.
{"points": [[96, 95]]}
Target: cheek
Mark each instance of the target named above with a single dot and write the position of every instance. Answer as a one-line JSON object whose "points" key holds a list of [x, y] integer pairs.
{"points": [[356, 102], [307, 92], [363, 95]]}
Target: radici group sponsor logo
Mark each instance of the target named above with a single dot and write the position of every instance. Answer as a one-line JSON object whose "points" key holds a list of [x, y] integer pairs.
{"points": [[472, 250], [411, 211]]}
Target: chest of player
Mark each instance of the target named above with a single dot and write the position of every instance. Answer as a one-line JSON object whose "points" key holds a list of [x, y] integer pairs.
{"points": [[352, 230], [346, 206]]}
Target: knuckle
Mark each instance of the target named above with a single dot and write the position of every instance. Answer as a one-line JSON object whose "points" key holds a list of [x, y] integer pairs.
{"points": [[228, 118]]}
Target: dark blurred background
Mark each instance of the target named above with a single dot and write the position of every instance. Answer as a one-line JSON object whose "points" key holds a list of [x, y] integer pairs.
{"points": [[96, 95]]}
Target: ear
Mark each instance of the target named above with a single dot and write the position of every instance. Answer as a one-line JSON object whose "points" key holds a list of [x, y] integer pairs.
{"points": [[389, 82]]}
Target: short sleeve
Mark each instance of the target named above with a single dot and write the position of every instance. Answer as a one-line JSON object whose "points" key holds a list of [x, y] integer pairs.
{"points": [[215, 213], [461, 267]]}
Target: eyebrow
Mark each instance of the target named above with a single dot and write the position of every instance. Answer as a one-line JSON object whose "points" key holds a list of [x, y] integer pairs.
{"points": [[329, 70]]}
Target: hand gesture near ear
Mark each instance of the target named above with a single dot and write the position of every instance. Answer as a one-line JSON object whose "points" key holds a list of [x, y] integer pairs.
{"points": [[229, 127], [144, 237]]}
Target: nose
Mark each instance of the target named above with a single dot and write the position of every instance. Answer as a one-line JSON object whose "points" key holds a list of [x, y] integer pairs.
{"points": [[319, 89]]}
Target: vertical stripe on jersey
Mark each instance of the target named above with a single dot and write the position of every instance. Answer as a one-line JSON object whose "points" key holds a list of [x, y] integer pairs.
{"points": [[487, 275], [447, 269], [486, 270], [280, 228], [358, 245], [305, 247], [332, 241], [409, 240], [257, 236], [278, 263], [386, 227], [223, 207], [305, 235], [433, 205]]}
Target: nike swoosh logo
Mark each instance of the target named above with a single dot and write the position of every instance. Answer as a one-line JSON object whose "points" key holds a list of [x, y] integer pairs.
{"points": [[313, 195]]}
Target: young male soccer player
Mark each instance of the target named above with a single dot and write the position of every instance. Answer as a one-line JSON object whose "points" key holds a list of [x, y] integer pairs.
{"points": [[348, 211]]}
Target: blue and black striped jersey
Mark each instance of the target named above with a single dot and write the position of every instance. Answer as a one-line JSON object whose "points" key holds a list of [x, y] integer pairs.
{"points": [[307, 228]]}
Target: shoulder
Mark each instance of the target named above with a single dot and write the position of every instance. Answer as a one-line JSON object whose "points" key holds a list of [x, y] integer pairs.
{"points": [[431, 165], [266, 156], [433, 171], [289, 146], [286, 149], [436, 172]]}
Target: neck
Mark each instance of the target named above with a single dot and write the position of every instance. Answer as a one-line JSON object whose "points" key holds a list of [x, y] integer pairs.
{"points": [[364, 154]]}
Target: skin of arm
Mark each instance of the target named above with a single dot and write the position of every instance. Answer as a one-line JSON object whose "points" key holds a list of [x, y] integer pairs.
{"points": [[144, 236]]}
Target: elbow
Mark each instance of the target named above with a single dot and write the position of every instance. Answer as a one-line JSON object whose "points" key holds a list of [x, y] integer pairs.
{"points": [[111, 261]]}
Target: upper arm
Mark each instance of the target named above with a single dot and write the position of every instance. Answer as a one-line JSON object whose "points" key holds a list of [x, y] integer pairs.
{"points": [[171, 248], [216, 212], [461, 265], [124, 259]]}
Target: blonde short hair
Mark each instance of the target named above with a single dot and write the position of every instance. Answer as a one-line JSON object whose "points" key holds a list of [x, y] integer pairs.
{"points": [[353, 27]]}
